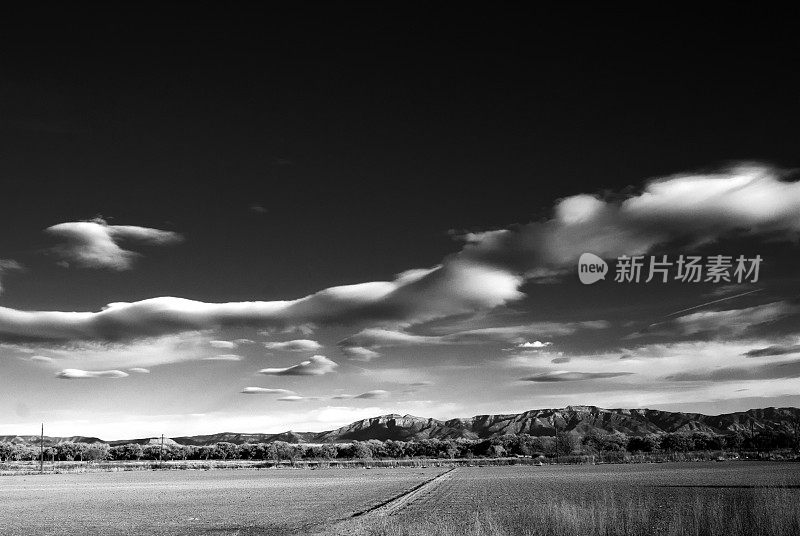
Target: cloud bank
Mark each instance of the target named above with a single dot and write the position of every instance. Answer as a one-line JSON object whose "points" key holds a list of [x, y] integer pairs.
{"points": [[750, 199], [488, 271], [423, 295]]}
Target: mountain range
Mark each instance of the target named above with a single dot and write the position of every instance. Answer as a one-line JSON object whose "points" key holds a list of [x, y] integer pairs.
{"points": [[579, 420]]}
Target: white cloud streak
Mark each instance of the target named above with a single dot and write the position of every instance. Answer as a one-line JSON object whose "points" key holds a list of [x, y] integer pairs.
{"points": [[266, 391], [442, 291], [359, 353], [298, 345], [223, 344], [140, 353], [78, 374], [380, 337], [369, 395], [223, 357], [317, 365]]}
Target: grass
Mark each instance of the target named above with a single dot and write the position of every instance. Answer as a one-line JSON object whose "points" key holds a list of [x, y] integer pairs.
{"points": [[765, 512]]}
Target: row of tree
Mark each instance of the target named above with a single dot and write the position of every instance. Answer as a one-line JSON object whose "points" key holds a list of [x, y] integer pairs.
{"points": [[561, 444]]}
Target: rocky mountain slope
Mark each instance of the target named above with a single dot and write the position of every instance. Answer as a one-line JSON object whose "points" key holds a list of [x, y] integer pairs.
{"points": [[539, 422]]}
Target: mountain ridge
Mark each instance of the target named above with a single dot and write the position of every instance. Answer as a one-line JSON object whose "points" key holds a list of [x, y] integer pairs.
{"points": [[578, 420]]}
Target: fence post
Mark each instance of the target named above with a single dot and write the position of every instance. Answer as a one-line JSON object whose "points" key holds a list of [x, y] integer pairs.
{"points": [[41, 451]]}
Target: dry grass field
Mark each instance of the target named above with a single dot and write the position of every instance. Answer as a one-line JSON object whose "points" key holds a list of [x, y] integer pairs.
{"points": [[732, 498], [696, 499]]}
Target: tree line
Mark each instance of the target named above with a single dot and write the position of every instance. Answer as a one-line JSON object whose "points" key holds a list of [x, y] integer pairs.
{"points": [[562, 444]]}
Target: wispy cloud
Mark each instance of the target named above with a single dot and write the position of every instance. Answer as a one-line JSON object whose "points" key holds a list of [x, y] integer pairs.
{"points": [[266, 391], [359, 353], [78, 374], [734, 321], [140, 353], [258, 208], [381, 337], [223, 344], [374, 394], [773, 350], [567, 376], [297, 345], [95, 243], [533, 345], [223, 357], [369, 395], [314, 366], [8, 265], [721, 324], [769, 371], [297, 398]]}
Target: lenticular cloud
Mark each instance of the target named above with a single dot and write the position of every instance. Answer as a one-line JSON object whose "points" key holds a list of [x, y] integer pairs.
{"points": [[315, 366], [95, 243], [442, 291], [78, 374]]}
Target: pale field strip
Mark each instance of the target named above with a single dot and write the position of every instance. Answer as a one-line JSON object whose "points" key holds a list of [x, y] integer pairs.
{"points": [[400, 502], [390, 507]]}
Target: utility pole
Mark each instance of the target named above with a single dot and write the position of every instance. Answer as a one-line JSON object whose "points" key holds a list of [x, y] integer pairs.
{"points": [[161, 449], [41, 451]]}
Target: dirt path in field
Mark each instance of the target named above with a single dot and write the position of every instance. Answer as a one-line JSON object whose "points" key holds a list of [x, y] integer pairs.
{"points": [[398, 503], [388, 508]]}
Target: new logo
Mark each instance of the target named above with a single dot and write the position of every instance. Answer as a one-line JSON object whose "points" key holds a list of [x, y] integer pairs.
{"points": [[591, 268]]}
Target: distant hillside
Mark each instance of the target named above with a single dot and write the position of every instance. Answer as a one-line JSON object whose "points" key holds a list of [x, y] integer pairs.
{"points": [[579, 420], [289, 437], [576, 419], [48, 440]]}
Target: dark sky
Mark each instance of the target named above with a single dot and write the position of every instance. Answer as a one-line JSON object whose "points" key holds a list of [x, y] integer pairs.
{"points": [[306, 147], [330, 118]]}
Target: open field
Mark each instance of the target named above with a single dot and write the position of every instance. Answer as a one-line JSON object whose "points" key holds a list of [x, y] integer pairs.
{"points": [[652, 499], [195, 502], [746, 498]]}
